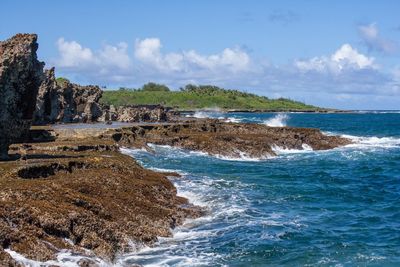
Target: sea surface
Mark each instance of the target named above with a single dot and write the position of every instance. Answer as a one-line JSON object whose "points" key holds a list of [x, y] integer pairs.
{"points": [[301, 208]]}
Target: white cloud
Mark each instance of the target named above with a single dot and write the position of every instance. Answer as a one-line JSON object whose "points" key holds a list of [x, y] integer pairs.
{"points": [[148, 51], [348, 56], [370, 35], [345, 58], [74, 55], [343, 76], [115, 56]]}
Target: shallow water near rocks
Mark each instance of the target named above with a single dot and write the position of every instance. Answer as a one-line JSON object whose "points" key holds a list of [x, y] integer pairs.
{"points": [[338, 207]]}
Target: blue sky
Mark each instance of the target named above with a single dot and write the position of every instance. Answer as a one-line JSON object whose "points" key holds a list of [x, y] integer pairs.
{"points": [[342, 54]]}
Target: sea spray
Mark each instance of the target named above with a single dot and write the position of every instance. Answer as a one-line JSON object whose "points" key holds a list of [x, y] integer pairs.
{"points": [[213, 113], [279, 120]]}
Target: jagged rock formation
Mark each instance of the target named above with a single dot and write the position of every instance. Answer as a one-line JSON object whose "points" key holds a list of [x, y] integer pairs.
{"points": [[233, 140], [20, 77], [62, 101], [144, 113]]}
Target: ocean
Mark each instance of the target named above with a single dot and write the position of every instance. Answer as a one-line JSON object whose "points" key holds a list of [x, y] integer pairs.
{"points": [[300, 208]]}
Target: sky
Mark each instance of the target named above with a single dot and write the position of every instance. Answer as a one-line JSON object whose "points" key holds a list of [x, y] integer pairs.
{"points": [[338, 54]]}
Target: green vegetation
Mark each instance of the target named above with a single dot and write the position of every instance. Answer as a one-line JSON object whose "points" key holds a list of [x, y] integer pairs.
{"points": [[60, 81], [197, 97], [154, 87]]}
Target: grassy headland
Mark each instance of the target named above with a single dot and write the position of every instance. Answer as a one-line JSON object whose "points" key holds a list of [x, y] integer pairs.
{"points": [[193, 97]]}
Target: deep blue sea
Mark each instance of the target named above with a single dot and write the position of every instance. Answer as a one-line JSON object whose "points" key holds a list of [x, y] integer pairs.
{"points": [[301, 208]]}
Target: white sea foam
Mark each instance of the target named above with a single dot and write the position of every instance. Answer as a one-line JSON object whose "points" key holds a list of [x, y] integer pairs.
{"points": [[279, 120], [282, 150], [213, 114], [64, 259], [243, 156], [363, 142], [179, 152]]}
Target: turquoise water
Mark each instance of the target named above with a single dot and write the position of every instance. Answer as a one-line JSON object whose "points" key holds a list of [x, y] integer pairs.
{"points": [[327, 208]]}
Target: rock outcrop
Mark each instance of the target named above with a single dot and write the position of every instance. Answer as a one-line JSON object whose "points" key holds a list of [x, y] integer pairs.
{"points": [[138, 113], [83, 196], [20, 77], [233, 140], [62, 101]]}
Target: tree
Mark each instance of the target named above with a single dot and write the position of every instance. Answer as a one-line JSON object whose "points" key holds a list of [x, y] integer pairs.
{"points": [[152, 87]]}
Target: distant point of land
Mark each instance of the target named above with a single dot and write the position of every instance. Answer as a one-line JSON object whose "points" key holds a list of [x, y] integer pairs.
{"points": [[192, 97]]}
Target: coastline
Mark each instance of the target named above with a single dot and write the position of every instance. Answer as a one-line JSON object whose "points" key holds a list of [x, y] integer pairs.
{"points": [[80, 179]]}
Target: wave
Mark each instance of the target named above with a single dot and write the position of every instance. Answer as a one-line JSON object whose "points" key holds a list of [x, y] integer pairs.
{"points": [[181, 152], [279, 120], [223, 199], [213, 114], [64, 259], [281, 150], [377, 111], [372, 142]]}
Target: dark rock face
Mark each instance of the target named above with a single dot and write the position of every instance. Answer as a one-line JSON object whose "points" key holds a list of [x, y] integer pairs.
{"points": [[20, 77], [144, 113], [66, 102]]}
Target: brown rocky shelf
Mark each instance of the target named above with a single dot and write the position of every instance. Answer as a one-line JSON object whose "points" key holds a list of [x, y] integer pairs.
{"points": [[98, 198]]}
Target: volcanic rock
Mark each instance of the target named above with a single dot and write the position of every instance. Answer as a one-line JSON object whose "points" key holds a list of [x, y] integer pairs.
{"points": [[234, 140], [62, 101], [20, 77], [137, 113]]}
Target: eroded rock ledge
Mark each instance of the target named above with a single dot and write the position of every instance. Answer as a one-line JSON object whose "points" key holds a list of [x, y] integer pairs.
{"points": [[82, 194], [226, 139]]}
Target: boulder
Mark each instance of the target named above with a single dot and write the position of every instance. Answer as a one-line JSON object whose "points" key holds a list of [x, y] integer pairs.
{"points": [[20, 77], [62, 101]]}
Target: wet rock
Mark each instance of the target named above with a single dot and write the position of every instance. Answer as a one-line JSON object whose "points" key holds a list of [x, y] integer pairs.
{"points": [[227, 139], [81, 200], [20, 77], [62, 101]]}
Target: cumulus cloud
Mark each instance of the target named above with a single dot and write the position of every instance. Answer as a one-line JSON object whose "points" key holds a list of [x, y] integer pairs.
{"points": [[345, 58], [110, 63], [148, 51], [372, 39], [74, 55], [341, 76]]}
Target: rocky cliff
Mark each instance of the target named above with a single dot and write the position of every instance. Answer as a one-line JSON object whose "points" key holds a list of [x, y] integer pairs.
{"points": [[63, 101], [20, 77], [60, 101]]}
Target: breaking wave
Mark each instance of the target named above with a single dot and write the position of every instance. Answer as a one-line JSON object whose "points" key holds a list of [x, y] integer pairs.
{"points": [[372, 142], [279, 120], [213, 114]]}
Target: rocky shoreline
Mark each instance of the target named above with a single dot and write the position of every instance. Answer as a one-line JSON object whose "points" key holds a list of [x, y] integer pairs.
{"points": [[83, 194], [74, 190], [70, 189]]}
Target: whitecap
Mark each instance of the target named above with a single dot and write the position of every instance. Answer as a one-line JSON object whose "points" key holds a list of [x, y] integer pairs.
{"points": [[372, 142], [215, 113], [279, 120], [65, 258], [283, 150]]}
